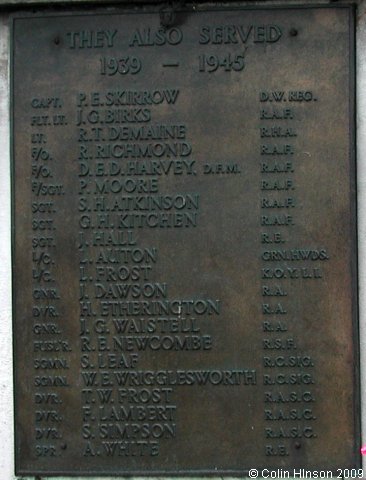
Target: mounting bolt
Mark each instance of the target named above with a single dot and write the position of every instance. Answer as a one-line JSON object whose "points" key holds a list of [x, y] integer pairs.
{"points": [[167, 16]]}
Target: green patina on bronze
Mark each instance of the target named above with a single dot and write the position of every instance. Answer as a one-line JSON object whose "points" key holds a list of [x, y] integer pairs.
{"points": [[184, 241]]}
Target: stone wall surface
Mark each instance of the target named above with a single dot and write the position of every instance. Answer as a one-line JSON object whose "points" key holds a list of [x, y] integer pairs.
{"points": [[20, 3], [361, 193]]}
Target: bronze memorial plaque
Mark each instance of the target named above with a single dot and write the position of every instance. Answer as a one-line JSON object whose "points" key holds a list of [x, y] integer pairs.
{"points": [[184, 241]]}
